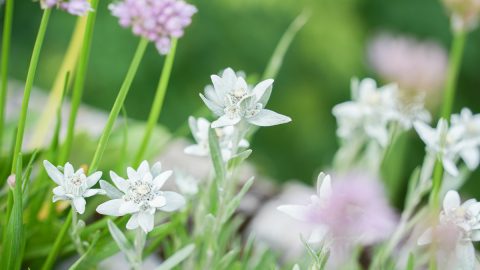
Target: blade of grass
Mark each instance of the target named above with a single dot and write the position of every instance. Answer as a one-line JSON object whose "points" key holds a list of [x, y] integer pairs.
{"points": [[52, 256], [7, 32], [117, 106], [157, 103], [79, 83]]}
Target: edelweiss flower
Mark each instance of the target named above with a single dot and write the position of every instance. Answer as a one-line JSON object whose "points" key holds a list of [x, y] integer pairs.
{"points": [[450, 144], [459, 226], [370, 111], [140, 195], [74, 7], [226, 137], [464, 13], [233, 100], [73, 186], [156, 20]]}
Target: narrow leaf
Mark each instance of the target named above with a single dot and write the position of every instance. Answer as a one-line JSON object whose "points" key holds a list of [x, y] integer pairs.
{"points": [[235, 202], [238, 159], [111, 191], [177, 258], [216, 155], [121, 240]]}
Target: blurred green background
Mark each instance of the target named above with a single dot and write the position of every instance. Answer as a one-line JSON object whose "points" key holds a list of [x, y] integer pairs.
{"points": [[242, 34]]}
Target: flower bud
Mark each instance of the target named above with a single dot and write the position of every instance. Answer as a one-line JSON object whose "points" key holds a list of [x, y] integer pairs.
{"points": [[11, 180]]}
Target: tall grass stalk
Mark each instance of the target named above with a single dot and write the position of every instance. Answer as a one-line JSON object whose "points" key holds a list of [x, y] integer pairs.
{"points": [[157, 103], [6, 36], [29, 85], [117, 106], [79, 82]]}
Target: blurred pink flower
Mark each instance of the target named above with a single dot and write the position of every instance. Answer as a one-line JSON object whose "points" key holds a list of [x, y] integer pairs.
{"points": [[156, 20], [350, 211], [74, 7], [414, 65]]}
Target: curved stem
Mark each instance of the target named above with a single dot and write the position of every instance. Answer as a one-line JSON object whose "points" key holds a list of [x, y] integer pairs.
{"points": [[7, 32], [117, 106], [32, 69], [157, 103], [79, 82]]}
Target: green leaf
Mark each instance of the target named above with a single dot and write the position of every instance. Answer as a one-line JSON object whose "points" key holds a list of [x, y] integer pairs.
{"points": [[216, 155], [177, 258], [411, 262], [228, 259], [238, 159], [235, 202], [84, 257], [14, 237], [121, 240], [111, 191]]}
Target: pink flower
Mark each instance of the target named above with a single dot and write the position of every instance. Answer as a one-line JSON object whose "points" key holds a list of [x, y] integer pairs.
{"points": [[156, 20], [414, 65], [74, 7]]}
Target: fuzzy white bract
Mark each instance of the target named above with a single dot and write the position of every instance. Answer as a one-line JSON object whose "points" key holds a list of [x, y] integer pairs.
{"points": [[141, 196], [461, 141], [73, 185], [227, 138], [233, 100], [458, 227], [373, 110]]}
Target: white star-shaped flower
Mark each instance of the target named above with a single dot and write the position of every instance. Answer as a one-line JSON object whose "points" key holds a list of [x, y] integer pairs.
{"points": [[73, 185], [369, 112], [317, 201], [233, 100], [458, 227], [141, 196], [449, 145], [467, 126], [226, 135]]}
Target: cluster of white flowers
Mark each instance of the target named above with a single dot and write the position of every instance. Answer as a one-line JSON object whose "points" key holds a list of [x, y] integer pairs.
{"points": [[458, 227], [459, 141], [373, 111], [139, 195], [226, 136]]}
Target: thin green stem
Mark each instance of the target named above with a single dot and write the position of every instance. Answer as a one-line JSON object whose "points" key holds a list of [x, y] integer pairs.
{"points": [[52, 256], [29, 84], [436, 185], [455, 61], [7, 33], [79, 82], [139, 243], [157, 103], [117, 106], [75, 233]]}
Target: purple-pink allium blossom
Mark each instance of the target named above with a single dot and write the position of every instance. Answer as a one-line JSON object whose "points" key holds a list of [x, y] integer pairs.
{"points": [[157, 20], [414, 65], [74, 7]]}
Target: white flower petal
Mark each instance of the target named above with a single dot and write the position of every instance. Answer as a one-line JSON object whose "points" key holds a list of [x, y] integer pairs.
{"points": [[146, 221], [79, 204], [57, 198], [425, 238], [215, 108], [160, 179], [158, 202], [59, 191], [110, 208], [225, 121], [119, 182], [260, 89], [266, 118], [451, 200], [450, 166], [318, 234], [299, 212], [132, 174], [471, 157], [68, 170], [465, 256], [475, 236], [132, 223], [174, 200], [156, 169], [324, 186], [426, 133], [93, 179], [143, 168], [53, 172], [128, 208], [93, 192]]}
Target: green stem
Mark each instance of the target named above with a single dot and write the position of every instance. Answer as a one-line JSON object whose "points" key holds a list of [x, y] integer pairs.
{"points": [[7, 32], [436, 185], [29, 84], [453, 70], [75, 234], [139, 244], [79, 82], [52, 256], [117, 106], [157, 103]]}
